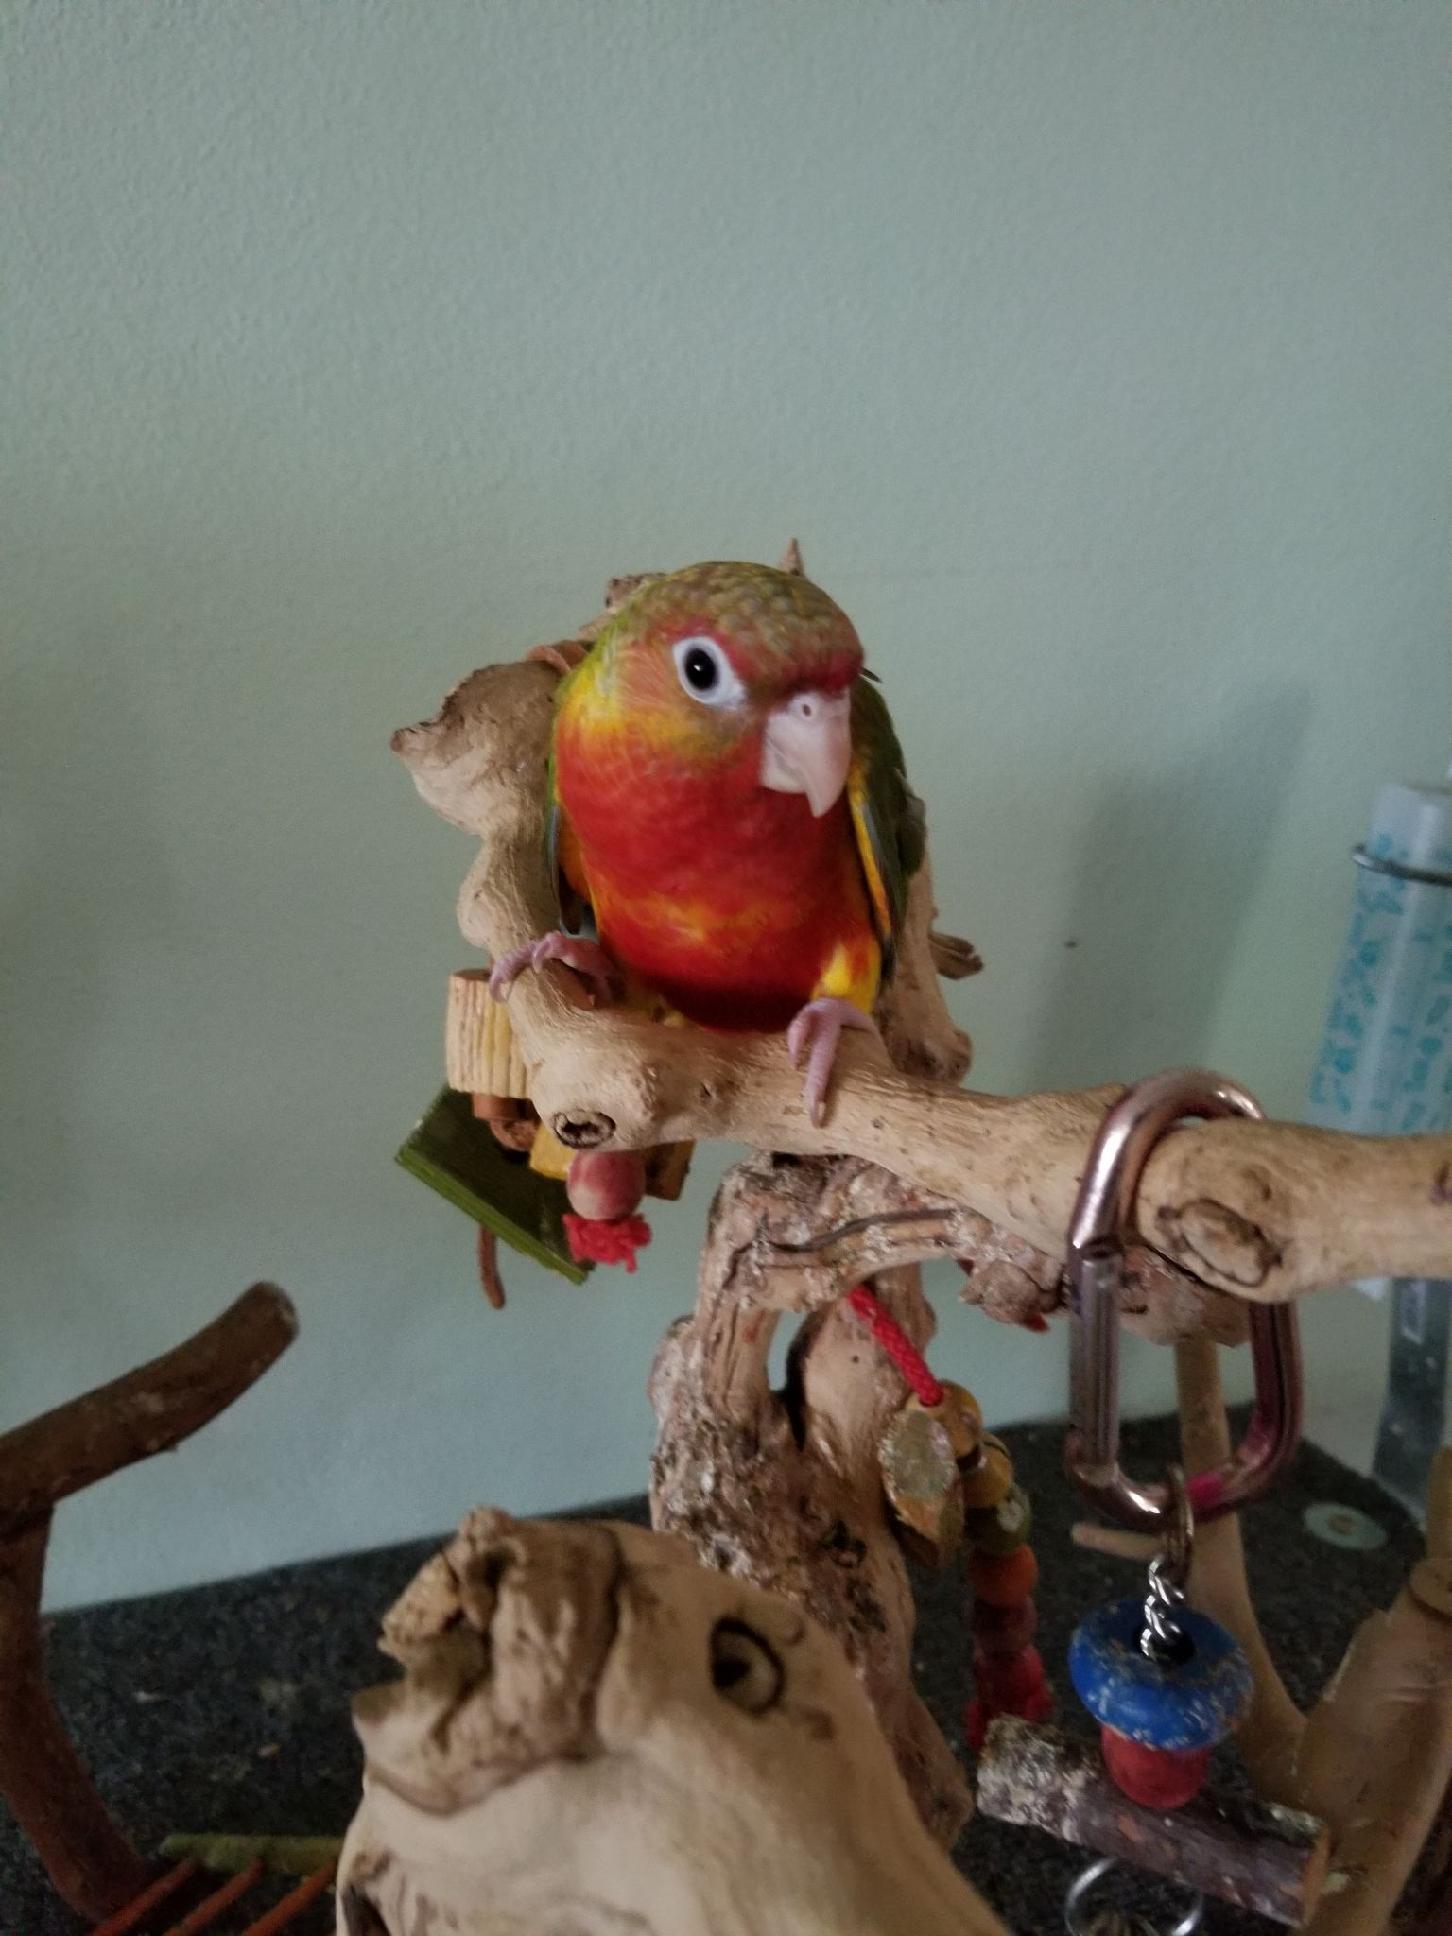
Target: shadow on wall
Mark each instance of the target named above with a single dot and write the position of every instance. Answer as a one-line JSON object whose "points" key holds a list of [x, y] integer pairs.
{"points": [[1168, 866]]}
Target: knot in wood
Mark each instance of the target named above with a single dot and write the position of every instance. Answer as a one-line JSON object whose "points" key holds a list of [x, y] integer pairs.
{"points": [[1210, 1235], [583, 1130]]}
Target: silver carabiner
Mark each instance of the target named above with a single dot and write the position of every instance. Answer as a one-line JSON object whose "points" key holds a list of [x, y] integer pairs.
{"points": [[1102, 1215]]}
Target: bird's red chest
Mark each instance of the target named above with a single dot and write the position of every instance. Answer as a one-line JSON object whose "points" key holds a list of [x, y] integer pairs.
{"points": [[728, 898]]}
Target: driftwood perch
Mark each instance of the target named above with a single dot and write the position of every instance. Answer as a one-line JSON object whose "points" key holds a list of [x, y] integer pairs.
{"points": [[1269, 1859], [1262, 1210], [783, 1489], [152, 1409], [596, 1735]]}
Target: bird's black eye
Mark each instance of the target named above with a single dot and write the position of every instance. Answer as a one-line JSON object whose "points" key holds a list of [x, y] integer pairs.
{"points": [[706, 673], [700, 669]]}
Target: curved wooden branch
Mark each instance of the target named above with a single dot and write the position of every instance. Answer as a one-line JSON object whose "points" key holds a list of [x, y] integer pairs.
{"points": [[148, 1410], [1376, 1757], [43, 1780], [1266, 1211], [1269, 1737], [151, 1409]]}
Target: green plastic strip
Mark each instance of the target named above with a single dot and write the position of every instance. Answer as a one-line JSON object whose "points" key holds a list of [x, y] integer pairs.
{"points": [[457, 1155]]}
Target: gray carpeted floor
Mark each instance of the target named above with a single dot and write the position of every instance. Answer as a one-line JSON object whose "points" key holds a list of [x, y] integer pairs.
{"points": [[226, 1707]]}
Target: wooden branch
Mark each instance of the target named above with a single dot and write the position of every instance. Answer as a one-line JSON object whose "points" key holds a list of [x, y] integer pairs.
{"points": [[783, 1488], [1266, 1211], [596, 1734], [1270, 1735], [813, 1244], [1115, 1542], [1376, 1757], [152, 1409], [148, 1410], [1268, 1859], [42, 1778]]}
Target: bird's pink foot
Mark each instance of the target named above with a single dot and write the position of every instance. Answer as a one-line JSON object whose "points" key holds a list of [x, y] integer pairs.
{"points": [[587, 958], [814, 1034]]}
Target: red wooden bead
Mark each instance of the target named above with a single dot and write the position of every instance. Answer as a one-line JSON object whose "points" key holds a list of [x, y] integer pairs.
{"points": [[1154, 1777], [1008, 1680], [1004, 1630], [604, 1185], [1004, 1579]]}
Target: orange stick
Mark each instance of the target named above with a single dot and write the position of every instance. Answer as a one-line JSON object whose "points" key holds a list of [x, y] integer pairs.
{"points": [[211, 1907], [295, 1901], [128, 1918]]}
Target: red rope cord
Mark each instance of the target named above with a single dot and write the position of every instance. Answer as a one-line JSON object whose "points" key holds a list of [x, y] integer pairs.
{"points": [[889, 1334]]}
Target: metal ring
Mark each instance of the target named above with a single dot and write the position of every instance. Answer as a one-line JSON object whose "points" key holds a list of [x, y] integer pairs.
{"points": [[1096, 1871], [1103, 1214], [1399, 870]]}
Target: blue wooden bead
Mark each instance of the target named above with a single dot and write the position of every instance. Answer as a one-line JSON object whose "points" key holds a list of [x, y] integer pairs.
{"points": [[1188, 1704]]}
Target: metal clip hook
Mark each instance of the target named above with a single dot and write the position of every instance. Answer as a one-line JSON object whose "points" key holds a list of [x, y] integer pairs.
{"points": [[1102, 1215]]}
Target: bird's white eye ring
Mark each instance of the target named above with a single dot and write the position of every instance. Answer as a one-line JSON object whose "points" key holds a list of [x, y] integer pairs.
{"points": [[706, 673]]}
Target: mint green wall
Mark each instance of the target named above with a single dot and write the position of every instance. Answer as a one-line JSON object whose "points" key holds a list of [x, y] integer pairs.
{"points": [[1099, 356]]}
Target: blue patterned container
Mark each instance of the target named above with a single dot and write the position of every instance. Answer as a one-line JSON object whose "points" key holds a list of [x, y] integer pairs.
{"points": [[1385, 1066]]}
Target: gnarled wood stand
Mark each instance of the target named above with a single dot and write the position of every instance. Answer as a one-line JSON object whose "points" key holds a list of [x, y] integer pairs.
{"points": [[907, 1165], [784, 1487], [152, 1409]]}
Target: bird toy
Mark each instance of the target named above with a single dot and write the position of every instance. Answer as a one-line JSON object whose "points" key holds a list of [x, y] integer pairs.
{"points": [[952, 1485], [1165, 1683]]}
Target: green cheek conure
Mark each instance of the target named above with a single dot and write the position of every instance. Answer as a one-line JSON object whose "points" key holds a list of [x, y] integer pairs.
{"points": [[729, 797]]}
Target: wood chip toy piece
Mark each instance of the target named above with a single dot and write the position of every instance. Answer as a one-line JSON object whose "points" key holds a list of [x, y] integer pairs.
{"points": [[920, 1455]]}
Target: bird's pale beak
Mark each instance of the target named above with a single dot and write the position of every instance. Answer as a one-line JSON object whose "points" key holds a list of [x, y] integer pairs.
{"points": [[808, 747]]}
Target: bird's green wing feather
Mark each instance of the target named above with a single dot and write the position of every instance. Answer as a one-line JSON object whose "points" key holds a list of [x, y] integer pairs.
{"points": [[886, 815]]}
